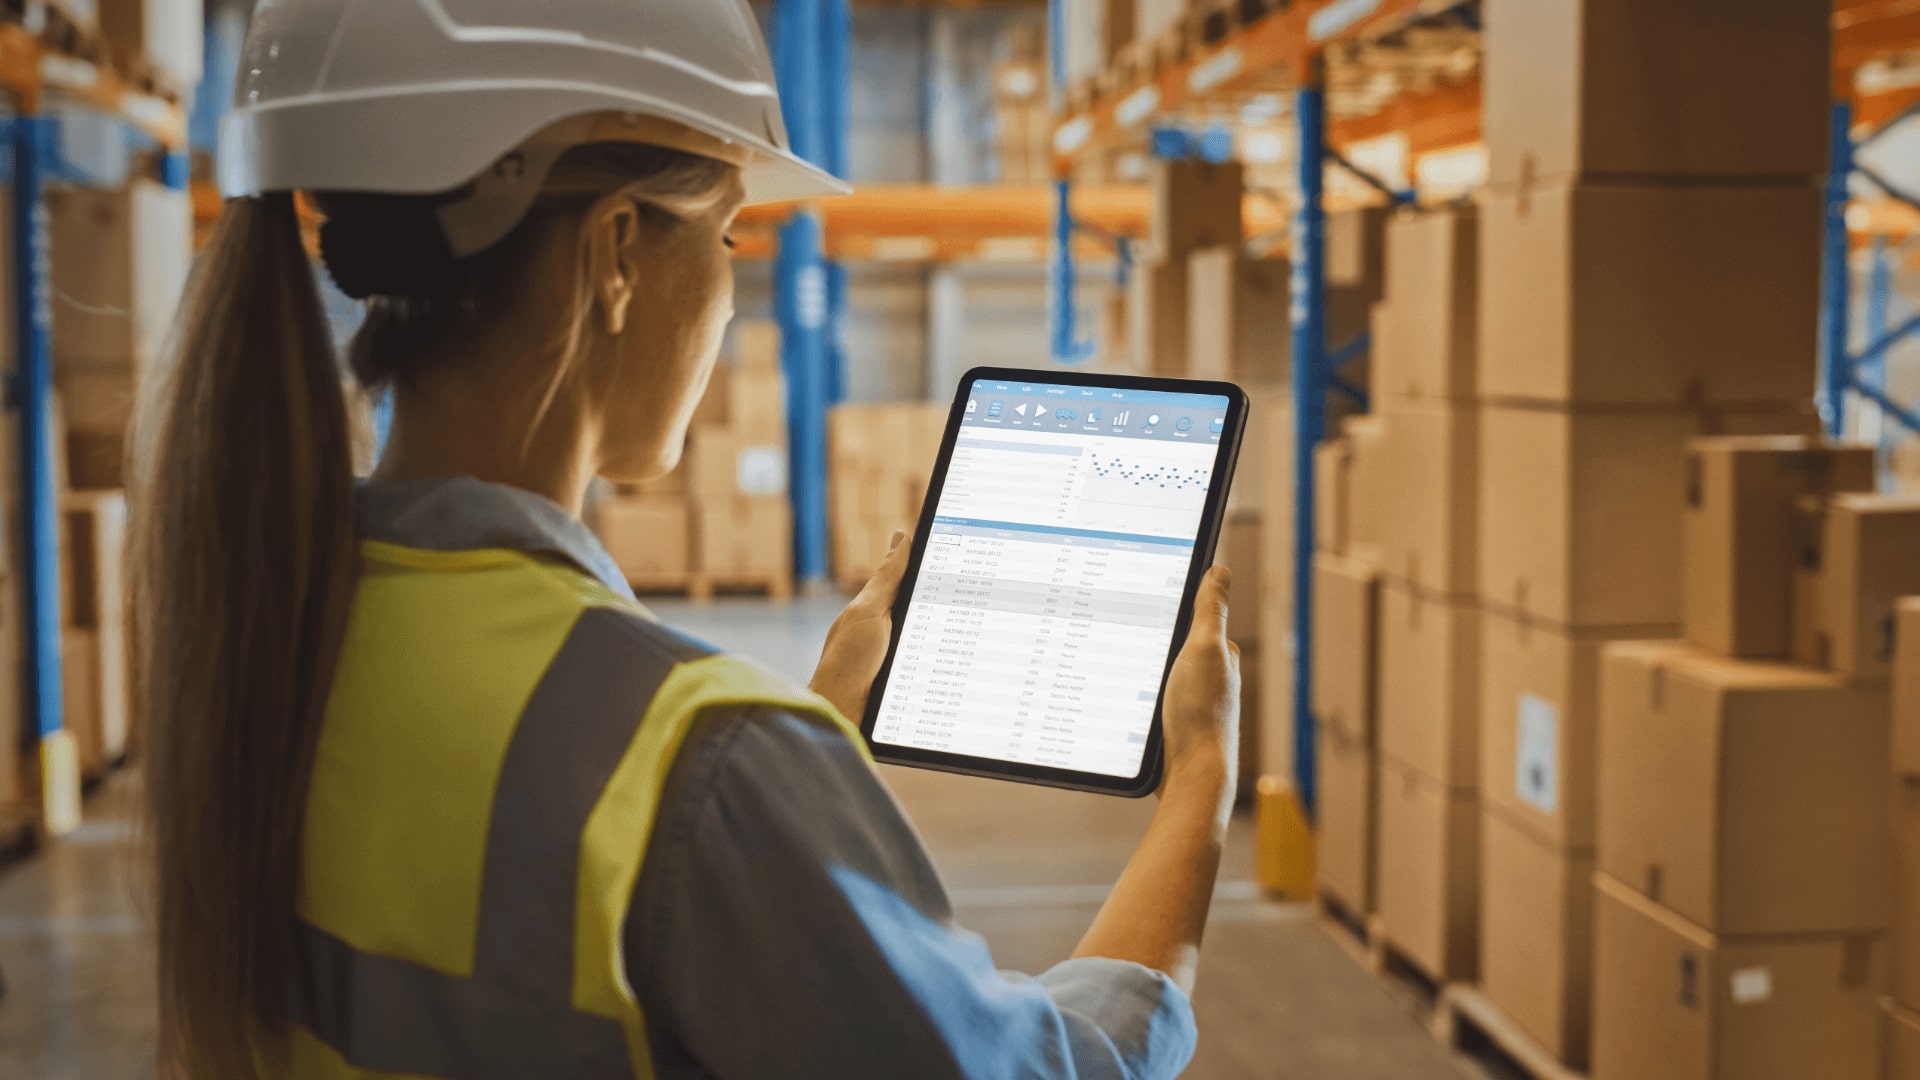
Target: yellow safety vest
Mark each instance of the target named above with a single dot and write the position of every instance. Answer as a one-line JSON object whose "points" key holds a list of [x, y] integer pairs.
{"points": [[499, 731]]}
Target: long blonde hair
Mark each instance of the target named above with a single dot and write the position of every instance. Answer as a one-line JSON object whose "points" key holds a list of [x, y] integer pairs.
{"points": [[243, 554]]}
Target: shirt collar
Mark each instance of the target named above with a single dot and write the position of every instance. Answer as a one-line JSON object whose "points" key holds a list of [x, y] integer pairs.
{"points": [[460, 513]]}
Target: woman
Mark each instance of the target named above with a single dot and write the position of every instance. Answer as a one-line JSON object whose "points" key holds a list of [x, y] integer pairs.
{"points": [[431, 794]]}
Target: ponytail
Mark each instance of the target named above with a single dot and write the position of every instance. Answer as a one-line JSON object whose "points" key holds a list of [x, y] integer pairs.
{"points": [[242, 562]]}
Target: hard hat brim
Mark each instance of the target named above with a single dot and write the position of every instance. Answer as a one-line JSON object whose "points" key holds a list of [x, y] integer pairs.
{"points": [[423, 144]]}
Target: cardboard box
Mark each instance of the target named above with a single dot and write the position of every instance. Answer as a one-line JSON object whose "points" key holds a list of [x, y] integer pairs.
{"points": [[1643, 88], [1239, 322], [1904, 464], [1265, 478], [93, 592], [1427, 878], [1369, 515], [743, 536], [1239, 552], [756, 345], [1426, 336], [1650, 296], [94, 596], [1346, 616], [1581, 513], [13, 734], [722, 462], [1277, 696], [1902, 1042], [1739, 534], [119, 263], [1865, 563], [649, 538], [96, 462], [1674, 1001], [757, 404], [1196, 204], [1536, 934], [1809, 542], [1356, 250], [167, 34], [97, 402], [80, 698], [1539, 723], [1344, 846], [1252, 706], [1428, 489], [716, 400], [1332, 495], [1728, 785], [1905, 983], [1430, 684], [1157, 318], [1906, 692]]}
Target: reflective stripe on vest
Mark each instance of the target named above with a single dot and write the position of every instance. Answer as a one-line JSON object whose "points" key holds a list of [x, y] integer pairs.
{"points": [[468, 868]]}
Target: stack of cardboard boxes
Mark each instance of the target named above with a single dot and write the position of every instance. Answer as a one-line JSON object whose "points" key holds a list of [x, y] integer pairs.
{"points": [[1425, 495], [1236, 318], [1902, 1021], [1650, 245], [880, 458], [1395, 627], [1744, 892], [722, 520], [120, 260], [96, 684]]}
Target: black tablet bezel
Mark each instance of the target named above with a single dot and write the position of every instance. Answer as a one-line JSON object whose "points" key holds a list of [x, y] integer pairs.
{"points": [[1148, 779]]}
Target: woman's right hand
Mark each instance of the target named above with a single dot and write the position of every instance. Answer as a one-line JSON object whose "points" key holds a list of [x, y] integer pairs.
{"points": [[1201, 719]]}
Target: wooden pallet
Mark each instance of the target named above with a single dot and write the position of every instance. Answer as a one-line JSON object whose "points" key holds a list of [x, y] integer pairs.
{"points": [[1351, 930], [701, 588], [1467, 1022], [1366, 939]]}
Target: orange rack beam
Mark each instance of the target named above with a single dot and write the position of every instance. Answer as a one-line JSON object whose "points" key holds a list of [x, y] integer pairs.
{"points": [[918, 222]]}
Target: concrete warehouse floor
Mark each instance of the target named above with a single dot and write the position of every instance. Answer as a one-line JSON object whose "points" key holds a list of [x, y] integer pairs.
{"points": [[1027, 867]]}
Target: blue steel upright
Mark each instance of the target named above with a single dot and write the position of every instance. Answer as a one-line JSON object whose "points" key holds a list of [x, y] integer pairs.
{"points": [[800, 282], [32, 393], [1836, 311], [1310, 375], [836, 114]]}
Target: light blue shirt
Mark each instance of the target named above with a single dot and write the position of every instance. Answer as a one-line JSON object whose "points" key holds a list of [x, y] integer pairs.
{"points": [[788, 922]]}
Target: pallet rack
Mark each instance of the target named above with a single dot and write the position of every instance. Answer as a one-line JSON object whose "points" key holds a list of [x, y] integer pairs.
{"points": [[1864, 31], [45, 58], [1284, 48]]}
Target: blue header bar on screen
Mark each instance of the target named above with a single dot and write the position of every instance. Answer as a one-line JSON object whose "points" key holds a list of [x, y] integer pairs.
{"points": [[1099, 393]]}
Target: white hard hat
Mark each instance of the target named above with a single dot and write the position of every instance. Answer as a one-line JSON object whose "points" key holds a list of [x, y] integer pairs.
{"points": [[420, 97]]}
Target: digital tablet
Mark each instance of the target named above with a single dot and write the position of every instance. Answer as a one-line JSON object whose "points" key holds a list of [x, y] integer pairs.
{"points": [[1067, 527]]}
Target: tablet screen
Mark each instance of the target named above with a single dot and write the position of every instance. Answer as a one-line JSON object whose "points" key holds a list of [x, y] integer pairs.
{"points": [[1039, 627]]}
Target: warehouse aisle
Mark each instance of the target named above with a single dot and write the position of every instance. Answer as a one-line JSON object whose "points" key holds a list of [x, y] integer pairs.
{"points": [[1028, 867]]}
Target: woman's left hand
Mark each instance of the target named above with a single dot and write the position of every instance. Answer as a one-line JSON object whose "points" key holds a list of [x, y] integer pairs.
{"points": [[857, 644]]}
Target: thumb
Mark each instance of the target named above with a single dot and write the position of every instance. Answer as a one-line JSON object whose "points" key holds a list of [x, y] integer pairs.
{"points": [[885, 583], [1210, 605]]}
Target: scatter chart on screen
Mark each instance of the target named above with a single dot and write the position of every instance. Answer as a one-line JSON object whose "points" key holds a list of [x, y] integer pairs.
{"points": [[1043, 614]]}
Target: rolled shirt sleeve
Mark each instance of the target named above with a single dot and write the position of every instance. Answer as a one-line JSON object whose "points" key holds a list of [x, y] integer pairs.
{"points": [[788, 923]]}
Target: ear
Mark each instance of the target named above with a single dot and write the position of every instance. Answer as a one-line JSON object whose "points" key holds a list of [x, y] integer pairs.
{"points": [[613, 265]]}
